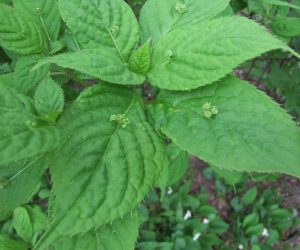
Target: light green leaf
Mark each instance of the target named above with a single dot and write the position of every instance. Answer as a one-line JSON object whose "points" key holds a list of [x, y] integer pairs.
{"points": [[10, 244], [249, 196], [162, 181], [286, 27], [123, 155], [120, 235], [179, 162], [108, 23], [281, 3], [20, 34], [197, 55], [44, 13], [104, 64], [139, 61], [49, 99], [22, 224], [24, 78], [160, 17], [240, 136]]}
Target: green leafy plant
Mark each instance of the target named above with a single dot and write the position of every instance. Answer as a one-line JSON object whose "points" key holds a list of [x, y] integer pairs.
{"points": [[105, 146], [180, 221]]}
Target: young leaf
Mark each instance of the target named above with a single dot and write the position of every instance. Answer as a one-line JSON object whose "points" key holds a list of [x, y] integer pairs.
{"points": [[10, 244], [107, 127], [139, 61], [22, 224], [44, 13], [120, 235], [49, 99], [22, 135], [98, 23], [104, 64], [239, 136], [24, 79], [160, 17], [20, 34], [197, 55]]}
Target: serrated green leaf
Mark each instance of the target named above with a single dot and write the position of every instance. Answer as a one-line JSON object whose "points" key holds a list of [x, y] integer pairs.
{"points": [[23, 138], [24, 79], [120, 235], [22, 224], [197, 55], [104, 64], [20, 34], [286, 27], [160, 17], [9, 244], [240, 136], [44, 13], [107, 127], [108, 23], [49, 99], [139, 61]]}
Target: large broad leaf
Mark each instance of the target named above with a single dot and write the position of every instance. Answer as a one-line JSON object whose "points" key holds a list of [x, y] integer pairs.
{"points": [[23, 141], [24, 79], [45, 13], [249, 133], [20, 34], [106, 126], [160, 17], [120, 235], [108, 23], [104, 64], [193, 56]]}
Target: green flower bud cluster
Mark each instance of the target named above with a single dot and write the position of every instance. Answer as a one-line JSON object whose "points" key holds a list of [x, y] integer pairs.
{"points": [[209, 110], [180, 8], [121, 119]]}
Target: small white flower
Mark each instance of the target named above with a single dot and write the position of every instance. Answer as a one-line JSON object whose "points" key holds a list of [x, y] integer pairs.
{"points": [[205, 221], [170, 191], [196, 236], [241, 246], [187, 215], [265, 233]]}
